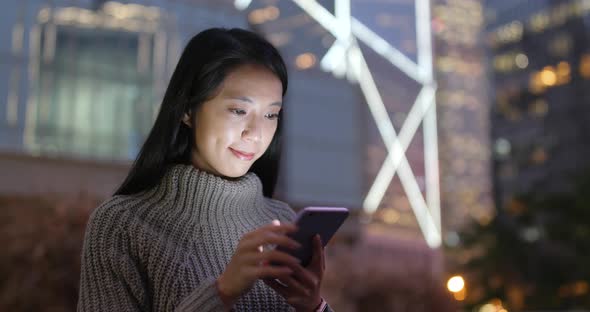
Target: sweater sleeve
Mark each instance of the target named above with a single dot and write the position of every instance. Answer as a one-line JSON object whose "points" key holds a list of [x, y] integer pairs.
{"points": [[110, 280], [203, 298]]}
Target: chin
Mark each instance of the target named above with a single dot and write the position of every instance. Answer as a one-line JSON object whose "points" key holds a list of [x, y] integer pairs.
{"points": [[235, 172]]}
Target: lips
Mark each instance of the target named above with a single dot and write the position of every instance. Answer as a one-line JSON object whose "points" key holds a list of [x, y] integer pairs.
{"points": [[242, 155]]}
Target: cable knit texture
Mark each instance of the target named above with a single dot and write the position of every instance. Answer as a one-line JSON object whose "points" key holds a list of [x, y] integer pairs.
{"points": [[163, 249]]}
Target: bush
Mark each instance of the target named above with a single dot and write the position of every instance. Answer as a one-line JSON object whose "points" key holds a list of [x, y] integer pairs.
{"points": [[42, 239], [40, 261], [364, 277]]}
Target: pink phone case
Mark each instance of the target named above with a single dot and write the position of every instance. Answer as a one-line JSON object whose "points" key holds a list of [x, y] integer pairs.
{"points": [[315, 220]]}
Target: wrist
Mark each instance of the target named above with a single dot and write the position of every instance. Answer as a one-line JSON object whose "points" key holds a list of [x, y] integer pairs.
{"points": [[321, 306], [317, 306], [224, 294]]}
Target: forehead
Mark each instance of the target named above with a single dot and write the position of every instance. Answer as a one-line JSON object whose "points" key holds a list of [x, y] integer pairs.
{"points": [[252, 81]]}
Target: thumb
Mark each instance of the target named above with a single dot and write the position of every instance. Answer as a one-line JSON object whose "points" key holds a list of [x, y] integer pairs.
{"points": [[317, 258]]}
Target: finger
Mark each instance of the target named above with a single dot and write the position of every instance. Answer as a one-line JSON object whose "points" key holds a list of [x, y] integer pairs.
{"points": [[283, 228], [323, 258], [268, 238], [274, 222], [273, 227], [305, 277], [314, 263], [317, 259], [274, 256], [295, 287], [271, 272]]}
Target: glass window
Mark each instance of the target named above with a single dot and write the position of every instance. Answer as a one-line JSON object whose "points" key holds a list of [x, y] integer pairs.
{"points": [[94, 96]]}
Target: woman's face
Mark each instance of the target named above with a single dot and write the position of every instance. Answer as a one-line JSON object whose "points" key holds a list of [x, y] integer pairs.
{"points": [[235, 128]]}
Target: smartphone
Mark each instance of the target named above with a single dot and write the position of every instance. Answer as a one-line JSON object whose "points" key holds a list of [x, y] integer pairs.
{"points": [[311, 221]]}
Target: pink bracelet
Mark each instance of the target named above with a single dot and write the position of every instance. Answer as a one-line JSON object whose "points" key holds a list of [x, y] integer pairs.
{"points": [[322, 306]]}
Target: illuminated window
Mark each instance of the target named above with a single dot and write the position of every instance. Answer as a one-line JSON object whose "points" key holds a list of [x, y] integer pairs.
{"points": [[539, 22], [510, 61], [94, 95], [548, 76], [503, 63], [515, 206], [511, 32], [585, 66], [538, 108], [539, 156], [305, 61], [263, 15], [389, 215], [502, 147], [563, 73], [521, 60]]}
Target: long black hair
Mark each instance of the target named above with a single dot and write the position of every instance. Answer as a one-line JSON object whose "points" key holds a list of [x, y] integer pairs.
{"points": [[205, 62]]}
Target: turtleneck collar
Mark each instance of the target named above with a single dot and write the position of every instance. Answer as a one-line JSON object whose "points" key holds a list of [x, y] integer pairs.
{"points": [[203, 195]]}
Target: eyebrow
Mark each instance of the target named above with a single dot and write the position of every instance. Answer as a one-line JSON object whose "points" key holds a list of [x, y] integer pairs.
{"points": [[249, 100]]}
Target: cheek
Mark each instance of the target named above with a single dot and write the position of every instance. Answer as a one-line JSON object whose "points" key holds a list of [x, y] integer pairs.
{"points": [[269, 132], [230, 131], [210, 134], [224, 132]]}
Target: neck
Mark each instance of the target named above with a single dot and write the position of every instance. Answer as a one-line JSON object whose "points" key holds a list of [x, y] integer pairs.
{"points": [[206, 196]]}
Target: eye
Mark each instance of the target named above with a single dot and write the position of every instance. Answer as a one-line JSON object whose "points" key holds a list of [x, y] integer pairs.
{"points": [[237, 111], [274, 116]]}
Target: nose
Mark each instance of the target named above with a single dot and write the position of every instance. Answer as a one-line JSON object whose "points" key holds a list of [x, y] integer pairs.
{"points": [[252, 131]]}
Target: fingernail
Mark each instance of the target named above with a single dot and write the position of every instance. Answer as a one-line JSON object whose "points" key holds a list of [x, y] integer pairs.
{"points": [[276, 222]]}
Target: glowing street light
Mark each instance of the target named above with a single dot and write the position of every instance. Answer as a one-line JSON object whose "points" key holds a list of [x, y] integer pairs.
{"points": [[456, 284]]}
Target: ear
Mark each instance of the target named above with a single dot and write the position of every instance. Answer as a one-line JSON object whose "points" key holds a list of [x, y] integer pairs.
{"points": [[187, 120]]}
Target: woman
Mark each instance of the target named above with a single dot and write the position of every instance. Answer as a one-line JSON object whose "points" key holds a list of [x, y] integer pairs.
{"points": [[187, 228]]}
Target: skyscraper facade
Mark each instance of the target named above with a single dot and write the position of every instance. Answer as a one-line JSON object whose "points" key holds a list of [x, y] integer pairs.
{"points": [[540, 64], [463, 115]]}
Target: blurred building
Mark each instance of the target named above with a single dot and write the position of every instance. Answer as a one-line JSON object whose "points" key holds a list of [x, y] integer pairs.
{"points": [[396, 214], [540, 64], [81, 82], [463, 114]]}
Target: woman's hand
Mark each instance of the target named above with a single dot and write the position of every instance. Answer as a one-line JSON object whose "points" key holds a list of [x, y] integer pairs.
{"points": [[302, 288], [249, 264]]}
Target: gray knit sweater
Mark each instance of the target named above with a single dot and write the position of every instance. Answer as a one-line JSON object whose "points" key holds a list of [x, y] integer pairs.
{"points": [[163, 249]]}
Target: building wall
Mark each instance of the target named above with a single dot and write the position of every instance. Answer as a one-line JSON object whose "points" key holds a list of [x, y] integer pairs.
{"points": [[333, 150], [41, 117], [463, 115], [24, 175], [539, 58]]}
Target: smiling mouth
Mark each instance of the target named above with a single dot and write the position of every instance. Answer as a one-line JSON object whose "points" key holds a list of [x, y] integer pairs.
{"points": [[242, 155]]}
